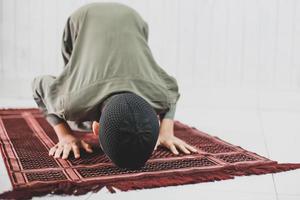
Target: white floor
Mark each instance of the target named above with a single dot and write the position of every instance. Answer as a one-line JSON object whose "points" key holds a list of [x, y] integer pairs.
{"points": [[263, 121]]}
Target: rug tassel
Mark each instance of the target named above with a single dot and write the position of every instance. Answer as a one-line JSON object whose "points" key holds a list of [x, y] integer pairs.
{"points": [[263, 169], [193, 178], [111, 189], [173, 180], [151, 181]]}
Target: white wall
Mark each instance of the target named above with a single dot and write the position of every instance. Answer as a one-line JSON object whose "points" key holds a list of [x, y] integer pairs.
{"points": [[203, 43]]}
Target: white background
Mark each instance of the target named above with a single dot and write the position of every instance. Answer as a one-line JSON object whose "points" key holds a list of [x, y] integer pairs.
{"points": [[203, 43]]}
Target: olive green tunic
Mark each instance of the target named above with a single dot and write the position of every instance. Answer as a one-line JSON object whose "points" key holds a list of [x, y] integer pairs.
{"points": [[105, 51]]}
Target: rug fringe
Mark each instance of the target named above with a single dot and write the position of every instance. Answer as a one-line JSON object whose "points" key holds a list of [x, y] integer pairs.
{"points": [[225, 174], [151, 181], [263, 169]]}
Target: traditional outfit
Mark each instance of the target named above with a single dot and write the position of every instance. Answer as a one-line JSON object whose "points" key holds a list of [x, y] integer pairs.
{"points": [[105, 51]]}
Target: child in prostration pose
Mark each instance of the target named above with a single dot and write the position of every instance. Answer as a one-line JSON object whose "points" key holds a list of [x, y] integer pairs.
{"points": [[112, 85]]}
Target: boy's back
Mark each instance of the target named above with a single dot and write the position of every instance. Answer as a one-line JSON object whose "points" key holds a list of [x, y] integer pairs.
{"points": [[105, 50]]}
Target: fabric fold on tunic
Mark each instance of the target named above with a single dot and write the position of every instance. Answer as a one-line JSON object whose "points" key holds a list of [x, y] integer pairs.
{"points": [[105, 51]]}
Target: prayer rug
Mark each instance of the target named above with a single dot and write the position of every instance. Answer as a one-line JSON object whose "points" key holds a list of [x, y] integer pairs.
{"points": [[26, 137]]}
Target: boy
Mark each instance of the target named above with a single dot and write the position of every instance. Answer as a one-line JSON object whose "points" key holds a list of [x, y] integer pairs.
{"points": [[111, 77]]}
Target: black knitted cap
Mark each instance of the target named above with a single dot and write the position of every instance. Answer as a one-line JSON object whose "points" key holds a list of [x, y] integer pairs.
{"points": [[128, 130]]}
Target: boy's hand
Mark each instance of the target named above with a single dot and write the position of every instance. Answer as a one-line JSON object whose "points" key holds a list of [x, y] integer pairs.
{"points": [[171, 142], [69, 143], [166, 138]]}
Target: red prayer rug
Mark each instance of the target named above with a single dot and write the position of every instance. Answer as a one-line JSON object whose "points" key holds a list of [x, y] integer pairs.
{"points": [[26, 137]]}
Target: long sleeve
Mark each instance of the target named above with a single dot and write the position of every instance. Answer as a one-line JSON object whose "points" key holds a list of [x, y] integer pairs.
{"points": [[39, 88], [40, 84], [54, 119], [51, 118], [170, 114], [173, 94], [68, 39]]}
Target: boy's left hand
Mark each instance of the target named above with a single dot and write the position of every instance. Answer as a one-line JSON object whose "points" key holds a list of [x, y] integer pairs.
{"points": [[170, 141]]}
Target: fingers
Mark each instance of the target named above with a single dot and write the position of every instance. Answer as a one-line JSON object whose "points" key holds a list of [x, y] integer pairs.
{"points": [[173, 149], [186, 148], [86, 146], [183, 148], [156, 145], [58, 151], [173, 143], [191, 148], [66, 151], [76, 150], [52, 150]]}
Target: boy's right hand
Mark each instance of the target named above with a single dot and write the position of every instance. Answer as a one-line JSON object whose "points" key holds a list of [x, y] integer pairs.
{"points": [[67, 144]]}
